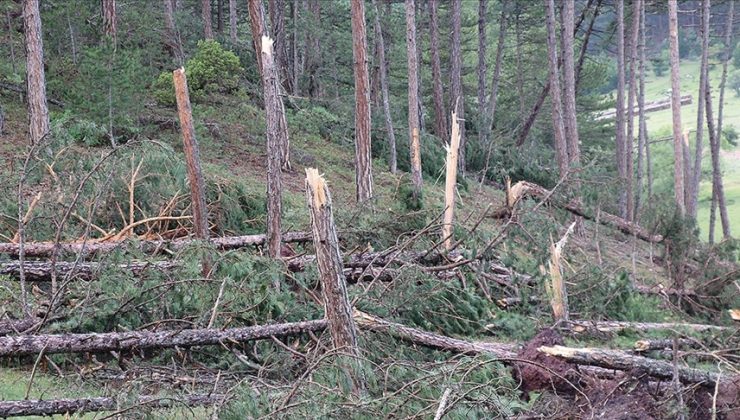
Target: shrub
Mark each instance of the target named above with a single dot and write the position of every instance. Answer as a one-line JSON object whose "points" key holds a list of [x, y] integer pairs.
{"points": [[211, 70]]}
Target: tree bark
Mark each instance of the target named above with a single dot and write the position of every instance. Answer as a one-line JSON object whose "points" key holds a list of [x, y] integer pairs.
{"points": [[383, 73], [490, 112], [714, 143], [720, 112], [232, 22], [87, 271], [482, 70], [695, 172], [205, 10], [273, 116], [440, 116], [678, 139], [69, 406], [192, 156], [337, 307], [192, 160], [621, 142], [363, 156], [23, 345], [277, 23], [560, 145], [632, 92], [457, 95], [413, 98], [38, 111], [259, 29], [172, 35], [569, 85], [616, 359], [109, 18], [45, 249], [642, 142], [220, 16]]}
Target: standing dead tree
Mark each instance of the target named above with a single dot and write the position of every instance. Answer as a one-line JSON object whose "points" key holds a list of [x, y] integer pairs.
{"points": [[678, 138], [337, 306], [192, 159], [273, 112]]}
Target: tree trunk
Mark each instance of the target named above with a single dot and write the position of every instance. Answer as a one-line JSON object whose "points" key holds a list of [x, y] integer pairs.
{"points": [[620, 360], [77, 406], [482, 70], [450, 182], [23, 345], [295, 67], [232, 22], [192, 160], [337, 307], [259, 29], [205, 10], [172, 35], [413, 98], [109, 18], [630, 138], [714, 143], [277, 22], [678, 139], [560, 145], [457, 96], [313, 50], [273, 116], [695, 172], [621, 142], [642, 143], [440, 116], [363, 156], [518, 52], [720, 111], [383, 73], [569, 84], [225, 243], [38, 112], [490, 112], [220, 16]]}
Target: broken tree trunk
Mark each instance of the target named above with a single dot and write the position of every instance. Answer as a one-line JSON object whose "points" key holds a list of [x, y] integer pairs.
{"points": [[117, 341], [451, 181], [192, 159], [337, 307], [225, 243], [87, 271], [270, 83], [556, 289], [94, 404], [619, 360]]}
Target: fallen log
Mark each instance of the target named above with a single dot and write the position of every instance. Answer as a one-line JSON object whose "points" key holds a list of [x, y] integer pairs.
{"points": [[662, 344], [225, 243], [619, 360], [117, 341], [616, 326], [96, 404], [14, 326], [441, 342], [22, 90], [87, 271], [653, 106]]}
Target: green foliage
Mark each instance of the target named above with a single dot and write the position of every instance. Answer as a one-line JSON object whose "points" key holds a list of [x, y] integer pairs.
{"points": [[211, 70], [660, 63], [735, 81], [736, 57], [69, 130]]}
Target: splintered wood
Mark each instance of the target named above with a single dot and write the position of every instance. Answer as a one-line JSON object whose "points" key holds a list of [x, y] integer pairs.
{"points": [[556, 289], [451, 181]]}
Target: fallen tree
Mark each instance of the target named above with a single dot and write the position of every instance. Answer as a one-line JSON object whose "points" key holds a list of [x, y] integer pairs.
{"points": [[116, 341], [653, 106], [42, 270], [94, 404], [524, 189], [619, 360], [46, 249], [616, 326]]}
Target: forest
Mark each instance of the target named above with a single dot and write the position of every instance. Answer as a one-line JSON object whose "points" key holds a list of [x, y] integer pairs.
{"points": [[364, 209]]}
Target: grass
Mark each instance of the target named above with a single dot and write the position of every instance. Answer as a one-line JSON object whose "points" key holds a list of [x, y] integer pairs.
{"points": [[659, 124]]}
